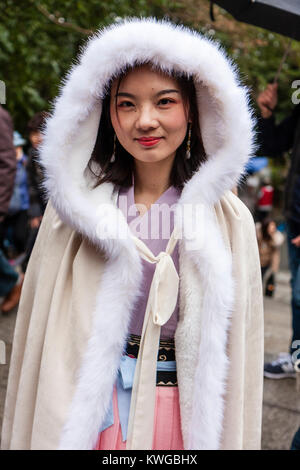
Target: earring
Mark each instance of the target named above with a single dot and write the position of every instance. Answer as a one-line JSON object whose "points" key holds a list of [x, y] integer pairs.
{"points": [[113, 157], [188, 144]]}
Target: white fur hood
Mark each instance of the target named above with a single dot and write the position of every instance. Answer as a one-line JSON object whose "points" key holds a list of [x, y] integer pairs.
{"points": [[225, 120]]}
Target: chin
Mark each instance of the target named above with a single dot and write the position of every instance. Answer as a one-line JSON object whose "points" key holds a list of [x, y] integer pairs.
{"points": [[151, 155], [150, 159]]}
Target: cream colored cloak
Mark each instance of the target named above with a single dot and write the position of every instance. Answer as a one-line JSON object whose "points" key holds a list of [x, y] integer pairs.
{"points": [[83, 278]]}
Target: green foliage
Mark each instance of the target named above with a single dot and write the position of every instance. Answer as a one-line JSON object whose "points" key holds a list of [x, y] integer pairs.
{"points": [[259, 62], [36, 53], [257, 53]]}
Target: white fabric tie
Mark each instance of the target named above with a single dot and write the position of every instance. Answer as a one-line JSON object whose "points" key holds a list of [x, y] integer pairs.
{"points": [[160, 306]]}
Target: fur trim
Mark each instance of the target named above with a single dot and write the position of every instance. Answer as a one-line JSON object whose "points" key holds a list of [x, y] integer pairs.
{"points": [[227, 130], [208, 310], [101, 361]]}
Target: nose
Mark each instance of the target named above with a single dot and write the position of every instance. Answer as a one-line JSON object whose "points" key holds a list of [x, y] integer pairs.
{"points": [[147, 118]]}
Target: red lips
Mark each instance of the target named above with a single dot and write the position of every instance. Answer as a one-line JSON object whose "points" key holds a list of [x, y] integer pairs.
{"points": [[148, 141]]}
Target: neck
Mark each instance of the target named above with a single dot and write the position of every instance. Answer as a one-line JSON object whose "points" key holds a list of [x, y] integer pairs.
{"points": [[151, 178]]}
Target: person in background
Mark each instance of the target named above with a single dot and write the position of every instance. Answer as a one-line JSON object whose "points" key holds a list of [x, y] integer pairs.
{"points": [[34, 169], [35, 177], [8, 162], [10, 281], [16, 222], [275, 139], [269, 240]]}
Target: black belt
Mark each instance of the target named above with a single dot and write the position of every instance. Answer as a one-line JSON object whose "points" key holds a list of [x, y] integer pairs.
{"points": [[166, 352]]}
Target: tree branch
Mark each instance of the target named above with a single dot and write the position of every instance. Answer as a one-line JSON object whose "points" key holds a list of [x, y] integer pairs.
{"points": [[58, 21]]}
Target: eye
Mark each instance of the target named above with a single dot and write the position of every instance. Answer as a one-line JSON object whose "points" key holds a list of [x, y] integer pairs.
{"points": [[125, 104], [165, 101]]}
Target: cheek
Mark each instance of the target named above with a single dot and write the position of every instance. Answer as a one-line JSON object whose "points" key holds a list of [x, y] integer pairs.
{"points": [[177, 122]]}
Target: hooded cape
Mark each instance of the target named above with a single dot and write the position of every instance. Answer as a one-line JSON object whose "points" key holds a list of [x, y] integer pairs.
{"points": [[83, 279]]}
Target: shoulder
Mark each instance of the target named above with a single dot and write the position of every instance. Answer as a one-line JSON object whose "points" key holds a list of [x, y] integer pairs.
{"points": [[236, 223], [6, 130], [234, 208], [5, 117]]}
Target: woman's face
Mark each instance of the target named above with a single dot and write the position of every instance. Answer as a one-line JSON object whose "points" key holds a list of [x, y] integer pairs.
{"points": [[35, 138], [151, 119]]}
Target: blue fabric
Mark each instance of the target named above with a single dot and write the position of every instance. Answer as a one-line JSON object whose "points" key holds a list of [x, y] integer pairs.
{"points": [[124, 385], [8, 276], [255, 164], [20, 197]]}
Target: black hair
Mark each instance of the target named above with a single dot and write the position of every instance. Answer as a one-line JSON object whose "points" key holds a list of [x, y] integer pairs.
{"points": [[265, 227], [37, 122]]}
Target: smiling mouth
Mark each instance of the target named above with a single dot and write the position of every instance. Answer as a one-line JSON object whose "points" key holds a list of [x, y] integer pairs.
{"points": [[149, 141]]}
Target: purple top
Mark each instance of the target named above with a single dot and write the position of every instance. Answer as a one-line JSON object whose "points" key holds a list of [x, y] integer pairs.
{"points": [[154, 228]]}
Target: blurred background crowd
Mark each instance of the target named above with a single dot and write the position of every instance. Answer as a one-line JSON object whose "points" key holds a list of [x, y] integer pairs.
{"points": [[22, 202]]}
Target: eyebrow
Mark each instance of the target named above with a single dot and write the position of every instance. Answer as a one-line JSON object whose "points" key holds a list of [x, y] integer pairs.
{"points": [[162, 92]]}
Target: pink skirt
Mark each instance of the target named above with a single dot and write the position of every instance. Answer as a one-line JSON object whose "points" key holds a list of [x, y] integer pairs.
{"points": [[167, 426]]}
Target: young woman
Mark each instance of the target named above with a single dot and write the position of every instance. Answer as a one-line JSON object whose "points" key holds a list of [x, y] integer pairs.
{"points": [[134, 330]]}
